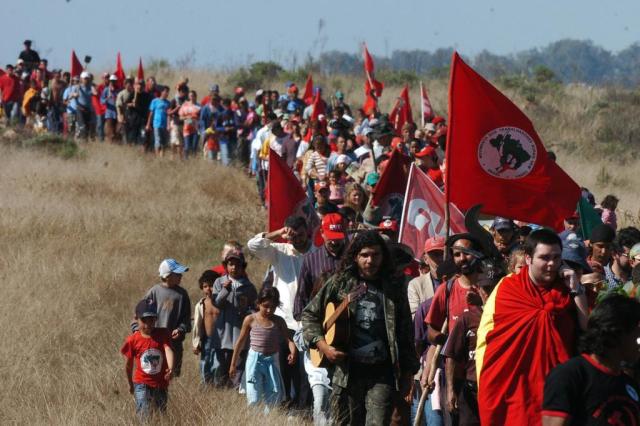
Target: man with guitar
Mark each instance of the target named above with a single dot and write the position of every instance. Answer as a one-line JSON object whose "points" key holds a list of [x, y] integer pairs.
{"points": [[377, 354]]}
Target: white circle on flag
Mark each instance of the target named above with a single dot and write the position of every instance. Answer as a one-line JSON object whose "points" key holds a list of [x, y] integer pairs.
{"points": [[507, 153]]}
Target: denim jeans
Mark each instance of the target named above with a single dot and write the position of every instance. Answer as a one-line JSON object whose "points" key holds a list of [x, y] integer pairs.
{"points": [[225, 152], [190, 145], [263, 380], [149, 399], [321, 397], [100, 127], [160, 138], [430, 417], [208, 361]]}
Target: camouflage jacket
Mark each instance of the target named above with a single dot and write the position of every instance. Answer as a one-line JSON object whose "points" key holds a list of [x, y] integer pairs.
{"points": [[398, 323]]}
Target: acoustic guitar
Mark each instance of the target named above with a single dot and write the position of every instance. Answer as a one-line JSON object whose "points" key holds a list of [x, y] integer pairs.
{"points": [[336, 326]]}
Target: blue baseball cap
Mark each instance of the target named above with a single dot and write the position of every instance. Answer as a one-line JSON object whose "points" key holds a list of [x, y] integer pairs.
{"points": [[146, 308], [169, 266], [501, 223], [574, 251]]}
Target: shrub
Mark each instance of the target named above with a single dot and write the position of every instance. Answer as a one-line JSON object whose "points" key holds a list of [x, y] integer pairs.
{"points": [[54, 144]]}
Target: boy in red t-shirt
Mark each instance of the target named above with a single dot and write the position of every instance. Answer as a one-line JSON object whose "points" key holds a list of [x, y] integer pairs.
{"points": [[150, 349]]}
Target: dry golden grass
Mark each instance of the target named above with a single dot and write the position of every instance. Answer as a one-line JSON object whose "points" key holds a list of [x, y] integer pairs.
{"points": [[81, 241]]}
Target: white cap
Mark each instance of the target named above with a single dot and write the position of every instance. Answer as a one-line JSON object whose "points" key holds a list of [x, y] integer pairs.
{"points": [[84, 74], [259, 92], [343, 159], [430, 127], [20, 61], [113, 77], [169, 266]]}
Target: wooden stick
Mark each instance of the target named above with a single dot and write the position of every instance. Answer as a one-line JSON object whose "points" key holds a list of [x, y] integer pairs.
{"points": [[433, 362]]}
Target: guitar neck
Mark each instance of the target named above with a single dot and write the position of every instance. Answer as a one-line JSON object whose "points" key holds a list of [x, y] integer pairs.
{"points": [[336, 314]]}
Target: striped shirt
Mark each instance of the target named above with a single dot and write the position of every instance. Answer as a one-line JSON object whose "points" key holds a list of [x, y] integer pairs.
{"points": [[318, 162], [265, 340], [314, 266]]}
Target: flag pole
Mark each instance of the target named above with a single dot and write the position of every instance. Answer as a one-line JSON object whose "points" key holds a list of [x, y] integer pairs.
{"points": [[447, 154], [421, 106]]}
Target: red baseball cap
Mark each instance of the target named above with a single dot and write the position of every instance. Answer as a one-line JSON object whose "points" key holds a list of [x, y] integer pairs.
{"points": [[320, 185], [333, 227], [437, 119], [427, 151], [388, 225], [434, 243], [395, 142]]}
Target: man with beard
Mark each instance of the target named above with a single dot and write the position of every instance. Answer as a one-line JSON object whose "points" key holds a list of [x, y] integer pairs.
{"points": [[380, 358], [620, 267], [452, 300]]}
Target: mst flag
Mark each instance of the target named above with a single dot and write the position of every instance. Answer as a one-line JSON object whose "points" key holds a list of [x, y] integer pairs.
{"points": [[307, 97], [285, 195], [389, 191], [524, 332], [423, 212], [495, 157], [76, 65], [401, 112], [425, 103]]}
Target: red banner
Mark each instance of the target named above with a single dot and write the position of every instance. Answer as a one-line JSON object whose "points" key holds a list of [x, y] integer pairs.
{"points": [[427, 109], [140, 70], [401, 112], [286, 197], [307, 97], [495, 157], [423, 212], [76, 65]]}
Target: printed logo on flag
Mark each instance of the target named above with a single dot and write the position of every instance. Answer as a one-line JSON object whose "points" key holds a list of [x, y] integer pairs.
{"points": [[507, 153], [421, 215]]}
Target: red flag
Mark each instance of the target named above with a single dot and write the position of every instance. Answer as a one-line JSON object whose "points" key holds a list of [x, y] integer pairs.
{"points": [[372, 87], [401, 112], [2, 72], [368, 60], [308, 91], [318, 106], [285, 195], [423, 212], [76, 65], [427, 110], [389, 191], [495, 157], [140, 70], [120, 71]]}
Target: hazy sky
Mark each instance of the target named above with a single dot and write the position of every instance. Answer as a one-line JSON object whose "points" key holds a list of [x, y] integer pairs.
{"points": [[231, 33]]}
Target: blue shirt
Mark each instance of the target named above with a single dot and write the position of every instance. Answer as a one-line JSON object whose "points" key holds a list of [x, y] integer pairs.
{"points": [[72, 104], [159, 109], [108, 99]]}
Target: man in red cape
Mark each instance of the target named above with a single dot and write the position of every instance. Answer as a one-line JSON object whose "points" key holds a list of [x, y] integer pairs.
{"points": [[528, 327]]}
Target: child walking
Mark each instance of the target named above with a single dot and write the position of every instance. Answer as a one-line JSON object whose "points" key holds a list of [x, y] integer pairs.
{"points": [[234, 295], [205, 340], [265, 331], [174, 307], [150, 349]]}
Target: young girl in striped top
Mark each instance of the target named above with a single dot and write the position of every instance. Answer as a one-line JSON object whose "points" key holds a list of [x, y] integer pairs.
{"points": [[264, 330]]}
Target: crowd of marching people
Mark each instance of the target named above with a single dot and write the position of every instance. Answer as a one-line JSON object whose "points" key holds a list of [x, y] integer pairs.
{"points": [[511, 323]]}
